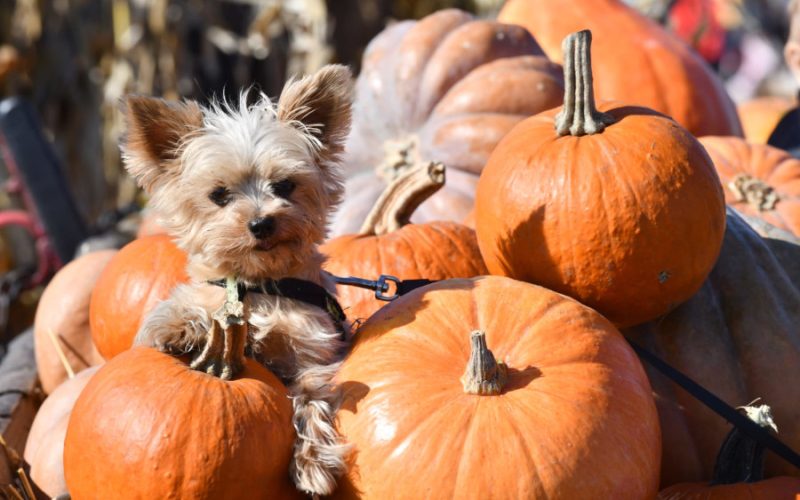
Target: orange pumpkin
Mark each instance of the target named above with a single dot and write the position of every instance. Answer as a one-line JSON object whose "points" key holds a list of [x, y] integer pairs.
{"points": [[761, 115], [387, 244], [758, 179], [44, 449], [142, 274], [445, 88], [63, 316], [619, 207], [639, 62], [560, 409], [151, 427], [739, 470]]}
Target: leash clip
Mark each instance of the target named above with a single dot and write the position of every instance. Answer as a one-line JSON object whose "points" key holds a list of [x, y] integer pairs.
{"points": [[381, 285]]}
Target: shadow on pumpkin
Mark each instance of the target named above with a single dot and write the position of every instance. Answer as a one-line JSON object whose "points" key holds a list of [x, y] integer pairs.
{"points": [[519, 379], [352, 393]]}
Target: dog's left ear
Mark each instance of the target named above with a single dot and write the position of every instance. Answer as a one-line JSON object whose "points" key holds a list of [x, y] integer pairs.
{"points": [[322, 103]]}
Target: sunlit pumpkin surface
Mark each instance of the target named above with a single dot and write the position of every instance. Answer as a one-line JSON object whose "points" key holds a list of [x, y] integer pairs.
{"points": [[149, 426], [637, 61], [576, 418]]}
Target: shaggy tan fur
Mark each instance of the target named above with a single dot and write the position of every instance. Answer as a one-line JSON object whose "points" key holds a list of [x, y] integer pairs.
{"points": [[181, 154]]}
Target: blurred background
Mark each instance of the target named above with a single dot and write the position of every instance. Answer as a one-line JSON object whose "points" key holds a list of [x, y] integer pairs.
{"points": [[74, 60]]}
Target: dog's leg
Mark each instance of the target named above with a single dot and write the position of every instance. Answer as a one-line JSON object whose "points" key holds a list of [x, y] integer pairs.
{"points": [[318, 452]]}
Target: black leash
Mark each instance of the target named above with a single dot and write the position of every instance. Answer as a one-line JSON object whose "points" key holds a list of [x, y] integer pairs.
{"points": [[720, 407], [712, 402]]}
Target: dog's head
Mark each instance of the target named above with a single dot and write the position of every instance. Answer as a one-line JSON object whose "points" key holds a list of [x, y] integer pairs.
{"points": [[245, 190]]}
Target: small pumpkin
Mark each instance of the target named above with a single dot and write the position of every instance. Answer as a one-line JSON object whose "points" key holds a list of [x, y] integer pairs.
{"points": [[761, 115], [758, 179], [388, 244], [444, 89], [739, 470], [425, 398], [139, 276], [738, 338], [44, 449], [62, 316], [150, 426], [639, 62], [616, 206]]}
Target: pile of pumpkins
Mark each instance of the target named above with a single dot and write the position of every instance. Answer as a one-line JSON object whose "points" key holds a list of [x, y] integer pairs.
{"points": [[564, 226]]}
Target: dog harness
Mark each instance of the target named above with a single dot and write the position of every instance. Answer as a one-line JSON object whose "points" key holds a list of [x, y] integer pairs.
{"points": [[304, 291]]}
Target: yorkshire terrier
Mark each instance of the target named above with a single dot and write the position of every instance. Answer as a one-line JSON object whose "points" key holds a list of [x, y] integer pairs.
{"points": [[247, 191]]}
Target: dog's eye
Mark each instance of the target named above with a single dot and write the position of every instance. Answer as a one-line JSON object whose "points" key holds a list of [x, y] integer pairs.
{"points": [[283, 188], [221, 196]]}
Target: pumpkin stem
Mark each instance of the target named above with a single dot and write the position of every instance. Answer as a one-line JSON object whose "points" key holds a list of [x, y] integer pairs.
{"points": [[741, 458], [399, 155], [757, 193], [398, 201], [223, 354], [579, 115], [484, 375]]}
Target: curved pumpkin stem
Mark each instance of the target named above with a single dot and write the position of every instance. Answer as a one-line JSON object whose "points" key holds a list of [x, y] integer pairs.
{"points": [[757, 193], [398, 201], [223, 353], [579, 115], [484, 375], [741, 458]]}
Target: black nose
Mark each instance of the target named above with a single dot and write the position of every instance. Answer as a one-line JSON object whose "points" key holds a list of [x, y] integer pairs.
{"points": [[262, 227]]}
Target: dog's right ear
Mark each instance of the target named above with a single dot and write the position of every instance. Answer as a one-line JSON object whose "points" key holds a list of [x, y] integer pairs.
{"points": [[155, 131]]}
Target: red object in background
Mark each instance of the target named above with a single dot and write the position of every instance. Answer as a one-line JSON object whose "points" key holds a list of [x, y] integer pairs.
{"points": [[695, 22]]}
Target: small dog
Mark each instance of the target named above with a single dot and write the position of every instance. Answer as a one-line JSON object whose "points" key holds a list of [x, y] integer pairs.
{"points": [[247, 193]]}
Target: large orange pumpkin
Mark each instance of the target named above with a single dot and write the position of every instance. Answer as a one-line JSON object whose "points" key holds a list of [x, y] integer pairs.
{"points": [[619, 207], [739, 470], [44, 449], [63, 316], [639, 62], [148, 426], [387, 244], [758, 179], [446, 89], [761, 115], [142, 274], [565, 412]]}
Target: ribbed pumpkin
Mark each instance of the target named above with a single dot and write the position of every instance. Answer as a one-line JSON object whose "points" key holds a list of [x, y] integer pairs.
{"points": [[445, 89], [739, 470], [63, 315], [560, 407], [138, 277], [638, 62], [44, 449], [619, 207], [758, 179], [739, 338], [388, 244], [759, 116], [148, 426]]}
